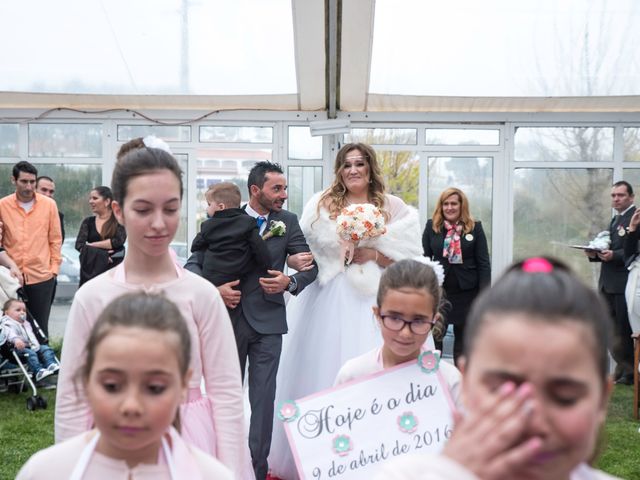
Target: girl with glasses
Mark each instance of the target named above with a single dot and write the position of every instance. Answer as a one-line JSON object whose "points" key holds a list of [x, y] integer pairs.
{"points": [[408, 303]]}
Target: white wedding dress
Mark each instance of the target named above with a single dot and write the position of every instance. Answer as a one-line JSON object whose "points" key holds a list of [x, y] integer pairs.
{"points": [[332, 321]]}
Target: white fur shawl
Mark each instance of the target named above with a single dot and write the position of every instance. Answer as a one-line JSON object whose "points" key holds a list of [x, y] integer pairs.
{"points": [[402, 240]]}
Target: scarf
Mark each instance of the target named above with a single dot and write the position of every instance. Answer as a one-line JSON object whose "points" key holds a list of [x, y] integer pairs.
{"points": [[451, 247]]}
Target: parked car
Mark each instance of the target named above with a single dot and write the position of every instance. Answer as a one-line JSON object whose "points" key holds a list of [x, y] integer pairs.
{"points": [[69, 275]]}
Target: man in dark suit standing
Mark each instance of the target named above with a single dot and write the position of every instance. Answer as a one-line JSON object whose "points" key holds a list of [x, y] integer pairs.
{"points": [[613, 280], [260, 320]]}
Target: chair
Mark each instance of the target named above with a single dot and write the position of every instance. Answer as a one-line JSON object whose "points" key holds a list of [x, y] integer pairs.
{"points": [[636, 374]]}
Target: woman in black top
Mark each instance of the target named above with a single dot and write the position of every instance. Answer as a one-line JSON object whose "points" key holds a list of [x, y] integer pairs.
{"points": [[458, 242], [101, 238]]}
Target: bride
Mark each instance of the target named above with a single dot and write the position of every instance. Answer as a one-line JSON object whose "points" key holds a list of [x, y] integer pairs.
{"points": [[331, 321]]}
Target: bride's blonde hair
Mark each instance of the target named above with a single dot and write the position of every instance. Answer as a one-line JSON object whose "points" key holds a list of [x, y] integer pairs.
{"points": [[335, 197]]}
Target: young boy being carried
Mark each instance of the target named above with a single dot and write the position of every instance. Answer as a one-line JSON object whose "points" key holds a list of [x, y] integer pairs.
{"points": [[230, 239]]}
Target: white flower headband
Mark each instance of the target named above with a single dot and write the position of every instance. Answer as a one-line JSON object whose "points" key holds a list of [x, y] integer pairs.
{"points": [[437, 268], [151, 141]]}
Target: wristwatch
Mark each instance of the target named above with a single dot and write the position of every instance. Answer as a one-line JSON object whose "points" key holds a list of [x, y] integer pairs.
{"points": [[293, 285]]}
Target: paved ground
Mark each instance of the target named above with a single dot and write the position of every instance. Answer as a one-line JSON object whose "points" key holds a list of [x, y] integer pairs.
{"points": [[58, 319]]}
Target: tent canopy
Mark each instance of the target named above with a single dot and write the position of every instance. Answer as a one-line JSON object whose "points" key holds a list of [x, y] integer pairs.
{"points": [[312, 55]]}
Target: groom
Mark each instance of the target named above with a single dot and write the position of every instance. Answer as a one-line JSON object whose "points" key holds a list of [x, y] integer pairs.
{"points": [[260, 319]]}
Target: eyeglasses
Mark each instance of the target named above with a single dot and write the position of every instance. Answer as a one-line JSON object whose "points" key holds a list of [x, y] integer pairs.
{"points": [[395, 323]]}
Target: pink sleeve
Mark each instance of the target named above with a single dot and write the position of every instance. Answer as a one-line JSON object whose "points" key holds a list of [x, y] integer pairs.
{"points": [[221, 373], [72, 415]]}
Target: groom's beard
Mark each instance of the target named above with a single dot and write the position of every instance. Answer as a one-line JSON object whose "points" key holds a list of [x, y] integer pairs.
{"points": [[274, 205]]}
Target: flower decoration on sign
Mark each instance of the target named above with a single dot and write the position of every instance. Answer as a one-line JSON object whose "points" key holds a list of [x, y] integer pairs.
{"points": [[277, 228], [358, 222], [341, 445], [288, 411], [429, 361], [407, 422]]}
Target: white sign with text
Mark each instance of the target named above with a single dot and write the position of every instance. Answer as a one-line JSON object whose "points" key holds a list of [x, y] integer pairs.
{"points": [[348, 431]]}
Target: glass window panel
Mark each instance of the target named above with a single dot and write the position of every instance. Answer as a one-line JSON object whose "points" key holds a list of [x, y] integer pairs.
{"points": [[632, 175], [498, 48], [236, 134], [215, 165], [383, 136], [303, 182], [180, 238], [461, 136], [169, 133], [9, 140], [302, 146], [632, 144], [472, 175], [401, 173], [558, 207], [65, 140], [563, 144], [179, 47]]}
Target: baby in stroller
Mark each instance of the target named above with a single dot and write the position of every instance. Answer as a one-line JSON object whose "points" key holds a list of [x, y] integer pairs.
{"points": [[40, 358]]}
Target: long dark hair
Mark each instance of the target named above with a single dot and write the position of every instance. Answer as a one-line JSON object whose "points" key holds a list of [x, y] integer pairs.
{"points": [[110, 227]]}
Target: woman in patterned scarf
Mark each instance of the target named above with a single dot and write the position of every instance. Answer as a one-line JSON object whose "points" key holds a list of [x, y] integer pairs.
{"points": [[458, 242]]}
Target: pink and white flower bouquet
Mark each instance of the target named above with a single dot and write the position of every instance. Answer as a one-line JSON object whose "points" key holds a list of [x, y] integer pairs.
{"points": [[358, 222]]}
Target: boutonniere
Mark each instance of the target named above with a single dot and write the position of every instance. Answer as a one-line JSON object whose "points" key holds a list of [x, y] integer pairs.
{"points": [[277, 228]]}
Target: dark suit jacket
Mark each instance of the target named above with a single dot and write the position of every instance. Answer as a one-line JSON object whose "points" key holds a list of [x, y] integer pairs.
{"points": [[475, 269], [613, 274], [232, 246], [266, 313]]}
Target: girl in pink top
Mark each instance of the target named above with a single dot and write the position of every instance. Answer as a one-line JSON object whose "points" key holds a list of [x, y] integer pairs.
{"points": [[147, 189], [135, 377]]}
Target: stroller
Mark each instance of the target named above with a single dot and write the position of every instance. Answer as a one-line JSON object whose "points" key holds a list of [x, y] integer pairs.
{"points": [[13, 371]]}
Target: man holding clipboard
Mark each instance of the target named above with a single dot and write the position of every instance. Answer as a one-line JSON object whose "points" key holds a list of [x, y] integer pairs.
{"points": [[613, 279]]}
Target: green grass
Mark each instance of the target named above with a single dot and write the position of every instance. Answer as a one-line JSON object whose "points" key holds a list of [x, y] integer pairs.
{"points": [[23, 433], [620, 455]]}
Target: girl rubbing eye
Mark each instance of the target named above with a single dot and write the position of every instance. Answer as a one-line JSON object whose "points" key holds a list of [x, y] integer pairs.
{"points": [[135, 377], [535, 383]]}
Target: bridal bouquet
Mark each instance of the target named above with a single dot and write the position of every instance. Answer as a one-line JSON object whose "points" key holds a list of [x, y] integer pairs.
{"points": [[358, 222]]}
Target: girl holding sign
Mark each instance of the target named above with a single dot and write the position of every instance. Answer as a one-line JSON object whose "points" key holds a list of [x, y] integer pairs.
{"points": [[535, 384], [409, 299]]}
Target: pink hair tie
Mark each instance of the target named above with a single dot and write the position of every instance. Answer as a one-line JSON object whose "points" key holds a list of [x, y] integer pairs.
{"points": [[537, 265]]}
